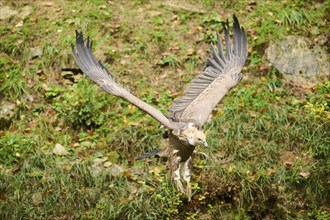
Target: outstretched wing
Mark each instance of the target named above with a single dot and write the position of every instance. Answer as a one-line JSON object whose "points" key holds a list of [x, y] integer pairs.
{"points": [[99, 74], [221, 73]]}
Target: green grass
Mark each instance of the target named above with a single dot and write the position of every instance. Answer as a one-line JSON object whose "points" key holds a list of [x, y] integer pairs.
{"points": [[269, 142]]}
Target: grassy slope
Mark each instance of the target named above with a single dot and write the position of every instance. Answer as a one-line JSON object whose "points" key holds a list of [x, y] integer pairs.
{"points": [[269, 141]]}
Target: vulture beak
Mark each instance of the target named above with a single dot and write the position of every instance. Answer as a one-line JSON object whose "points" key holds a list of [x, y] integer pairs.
{"points": [[205, 144]]}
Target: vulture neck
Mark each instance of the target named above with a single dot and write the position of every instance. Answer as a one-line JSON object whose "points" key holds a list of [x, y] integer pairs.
{"points": [[153, 112]]}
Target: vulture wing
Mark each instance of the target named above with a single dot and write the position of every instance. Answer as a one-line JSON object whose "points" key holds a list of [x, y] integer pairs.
{"points": [[99, 74], [221, 73]]}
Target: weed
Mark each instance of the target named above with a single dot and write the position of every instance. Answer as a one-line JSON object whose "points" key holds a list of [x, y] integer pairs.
{"points": [[12, 80], [81, 106]]}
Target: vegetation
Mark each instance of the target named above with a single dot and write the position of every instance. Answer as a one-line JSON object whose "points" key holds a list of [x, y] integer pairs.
{"points": [[269, 140]]}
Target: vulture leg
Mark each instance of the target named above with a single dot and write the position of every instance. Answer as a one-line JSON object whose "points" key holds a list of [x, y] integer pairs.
{"points": [[177, 178], [175, 166], [185, 172]]}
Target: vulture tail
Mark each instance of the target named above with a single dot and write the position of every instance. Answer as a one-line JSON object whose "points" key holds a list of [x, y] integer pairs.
{"points": [[150, 154]]}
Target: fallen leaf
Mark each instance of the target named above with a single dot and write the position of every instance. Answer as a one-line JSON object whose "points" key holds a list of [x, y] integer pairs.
{"points": [[107, 164], [288, 163], [304, 174], [288, 158], [190, 52]]}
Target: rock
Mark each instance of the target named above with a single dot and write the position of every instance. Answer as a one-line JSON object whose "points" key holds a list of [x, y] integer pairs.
{"points": [[60, 150], [29, 98], [8, 111], [35, 52], [7, 12], [77, 77], [36, 198], [99, 161], [70, 76], [69, 69], [96, 170], [154, 13], [97, 167], [25, 11], [183, 6], [116, 170], [66, 74], [297, 62]]}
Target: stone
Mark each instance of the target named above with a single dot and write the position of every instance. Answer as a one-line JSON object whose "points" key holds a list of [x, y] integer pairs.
{"points": [[25, 11], [294, 58], [35, 52], [60, 150], [116, 170], [8, 111], [99, 161], [6, 12]]}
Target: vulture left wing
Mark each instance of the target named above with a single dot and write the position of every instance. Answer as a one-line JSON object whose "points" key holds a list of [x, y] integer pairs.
{"points": [[222, 72], [98, 73]]}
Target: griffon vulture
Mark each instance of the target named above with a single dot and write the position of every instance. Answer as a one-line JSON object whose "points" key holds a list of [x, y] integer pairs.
{"points": [[188, 114]]}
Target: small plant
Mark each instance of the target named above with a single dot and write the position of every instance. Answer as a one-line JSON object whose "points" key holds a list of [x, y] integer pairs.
{"points": [[294, 18], [80, 106], [170, 60], [12, 82], [14, 147]]}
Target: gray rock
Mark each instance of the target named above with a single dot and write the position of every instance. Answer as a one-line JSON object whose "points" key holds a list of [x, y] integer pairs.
{"points": [[297, 62], [116, 170], [35, 52], [70, 77], [6, 12], [66, 74], [60, 150], [183, 6], [99, 161], [8, 111], [25, 11], [97, 167]]}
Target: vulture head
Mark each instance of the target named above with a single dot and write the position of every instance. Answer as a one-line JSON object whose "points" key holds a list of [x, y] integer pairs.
{"points": [[193, 136]]}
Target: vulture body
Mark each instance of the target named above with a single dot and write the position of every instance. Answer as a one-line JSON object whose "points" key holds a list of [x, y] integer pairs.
{"points": [[188, 113]]}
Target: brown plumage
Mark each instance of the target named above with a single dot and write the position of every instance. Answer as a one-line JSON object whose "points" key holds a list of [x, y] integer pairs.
{"points": [[189, 113]]}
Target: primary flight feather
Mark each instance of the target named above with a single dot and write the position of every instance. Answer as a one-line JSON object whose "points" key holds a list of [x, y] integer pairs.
{"points": [[188, 113]]}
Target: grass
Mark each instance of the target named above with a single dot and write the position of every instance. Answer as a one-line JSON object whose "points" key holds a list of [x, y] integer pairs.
{"points": [[269, 140]]}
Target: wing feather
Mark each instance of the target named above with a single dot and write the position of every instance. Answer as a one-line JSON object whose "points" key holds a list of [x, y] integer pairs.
{"points": [[98, 73], [220, 50], [227, 40], [221, 73]]}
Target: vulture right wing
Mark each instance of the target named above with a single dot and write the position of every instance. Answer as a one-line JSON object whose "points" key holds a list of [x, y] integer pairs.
{"points": [[96, 71], [222, 72]]}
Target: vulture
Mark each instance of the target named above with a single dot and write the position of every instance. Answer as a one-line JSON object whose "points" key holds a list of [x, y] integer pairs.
{"points": [[188, 113]]}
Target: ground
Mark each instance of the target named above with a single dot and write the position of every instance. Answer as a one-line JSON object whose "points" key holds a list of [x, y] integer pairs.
{"points": [[69, 152]]}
